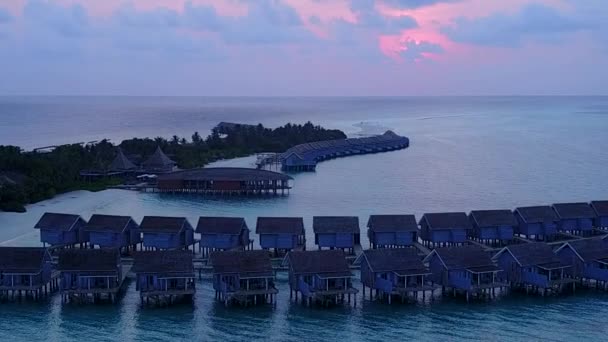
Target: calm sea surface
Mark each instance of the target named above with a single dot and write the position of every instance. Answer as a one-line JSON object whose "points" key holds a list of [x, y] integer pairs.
{"points": [[466, 153]]}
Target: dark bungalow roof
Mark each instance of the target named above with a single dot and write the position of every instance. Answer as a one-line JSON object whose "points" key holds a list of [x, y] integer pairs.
{"points": [[463, 257], [335, 224], [493, 218], [166, 261], [589, 249], [457, 220], [220, 225], [573, 210], [392, 223], [532, 254], [109, 223], [121, 162], [102, 260], [244, 263], [600, 207], [401, 260], [21, 259], [55, 221], [280, 225], [163, 224], [312, 150], [158, 160], [323, 262], [538, 214], [236, 174]]}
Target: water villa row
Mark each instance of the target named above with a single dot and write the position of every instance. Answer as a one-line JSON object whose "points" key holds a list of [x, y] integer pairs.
{"points": [[315, 277], [486, 227], [305, 157]]}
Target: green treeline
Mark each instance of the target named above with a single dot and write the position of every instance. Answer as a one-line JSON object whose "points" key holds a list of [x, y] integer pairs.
{"points": [[29, 177]]}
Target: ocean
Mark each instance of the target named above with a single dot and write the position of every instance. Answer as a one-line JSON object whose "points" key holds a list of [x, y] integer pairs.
{"points": [[466, 153]]}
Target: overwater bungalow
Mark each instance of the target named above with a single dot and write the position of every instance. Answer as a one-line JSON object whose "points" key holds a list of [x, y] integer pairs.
{"points": [[245, 277], [394, 272], [532, 266], [158, 163], [467, 269], [164, 276], [90, 274], [538, 223], [444, 229], [304, 157], [337, 232], [588, 257], [392, 231], [281, 234], [110, 231], [601, 214], [59, 230], [492, 226], [575, 218], [161, 232], [222, 233], [321, 276], [26, 270]]}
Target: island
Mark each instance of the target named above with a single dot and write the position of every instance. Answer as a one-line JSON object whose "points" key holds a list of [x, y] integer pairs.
{"points": [[33, 176]]}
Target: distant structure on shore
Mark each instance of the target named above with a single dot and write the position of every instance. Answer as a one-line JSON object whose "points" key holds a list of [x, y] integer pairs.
{"points": [[125, 167], [304, 157], [225, 181]]}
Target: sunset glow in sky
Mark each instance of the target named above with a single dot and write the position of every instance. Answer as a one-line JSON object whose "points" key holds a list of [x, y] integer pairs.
{"points": [[303, 47]]}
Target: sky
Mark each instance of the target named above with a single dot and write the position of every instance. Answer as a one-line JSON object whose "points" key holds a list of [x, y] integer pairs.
{"points": [[303, 47]]}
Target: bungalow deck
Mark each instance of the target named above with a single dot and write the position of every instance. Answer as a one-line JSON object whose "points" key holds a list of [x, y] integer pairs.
{"points": [[320, 276], [91, 275], [394, 272], [243, 277], [164, 276]]}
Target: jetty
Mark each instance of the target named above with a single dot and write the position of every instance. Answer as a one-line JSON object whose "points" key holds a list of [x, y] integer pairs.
{"points": [[304, 157]]}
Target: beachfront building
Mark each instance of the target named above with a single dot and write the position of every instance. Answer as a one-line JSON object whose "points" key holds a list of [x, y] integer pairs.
{"points": [[393, 272], [444, 229], [111, 231], [575, 218], [222, 233], [468, 269], [281, 234], [588, 258], [392, 231], [158, 163], [532, 266], [164, 276], [25, 270], [601, 214], [538, 222], [337, 232], [160, 232], [59, 230], [90, 274], [224, 181], [493, 227], [245, 277], [121, 163], [320, 276]]}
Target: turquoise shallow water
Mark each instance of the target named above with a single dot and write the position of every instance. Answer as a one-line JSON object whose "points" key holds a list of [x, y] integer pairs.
{"points": [[466, 153]]}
